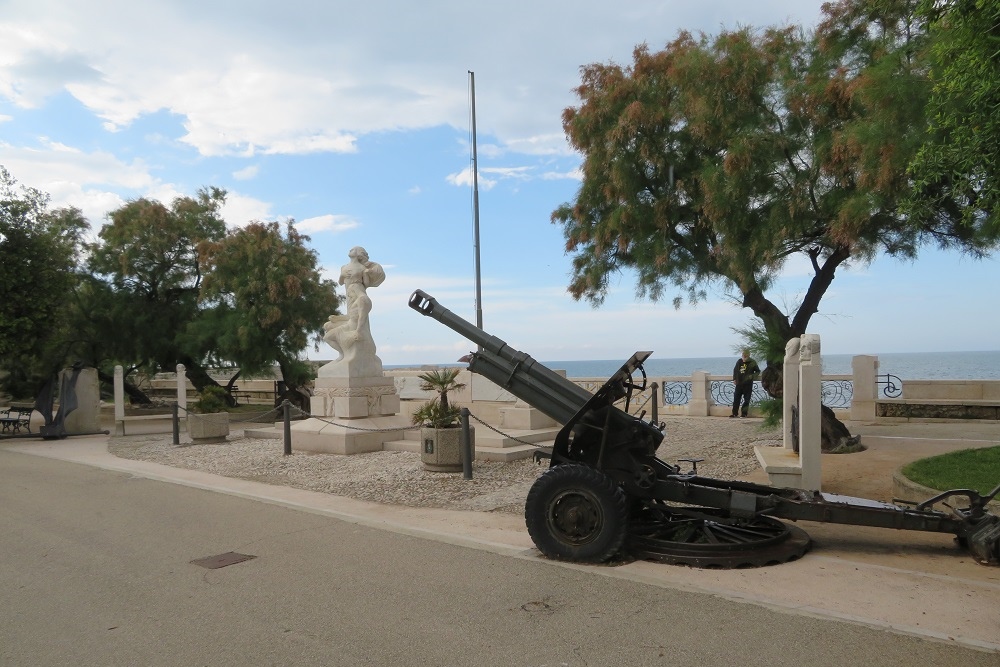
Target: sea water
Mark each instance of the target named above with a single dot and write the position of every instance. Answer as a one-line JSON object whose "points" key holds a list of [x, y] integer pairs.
{"points": [[904, 365]]}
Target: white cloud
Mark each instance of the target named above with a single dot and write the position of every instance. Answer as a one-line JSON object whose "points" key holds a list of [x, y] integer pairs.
{"points": [[72, 177], [464, 179], [508, 173], [240, 209], [247, 173], [572, 175], [327, 223], [314, 76]]}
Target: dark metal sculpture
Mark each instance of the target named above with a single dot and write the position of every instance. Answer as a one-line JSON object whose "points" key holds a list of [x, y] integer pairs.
{"points": [[607, 494], [55, 425]]}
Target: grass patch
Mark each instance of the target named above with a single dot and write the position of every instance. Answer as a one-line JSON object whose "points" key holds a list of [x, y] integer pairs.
{"points": [[977, 469]]}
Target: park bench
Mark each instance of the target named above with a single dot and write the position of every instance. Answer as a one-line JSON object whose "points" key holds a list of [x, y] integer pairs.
{"points": [[14, 418]]}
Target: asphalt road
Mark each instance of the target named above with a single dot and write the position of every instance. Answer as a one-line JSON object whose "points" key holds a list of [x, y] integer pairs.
{"points": [[95, 569]]}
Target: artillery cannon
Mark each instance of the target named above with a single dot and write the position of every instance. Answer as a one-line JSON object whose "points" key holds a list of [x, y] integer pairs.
{"points": [[607, 494]]}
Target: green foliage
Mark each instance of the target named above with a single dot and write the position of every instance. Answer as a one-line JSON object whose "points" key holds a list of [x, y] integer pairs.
{"points": [[211, 399], [957, 167], [977, 469], [39, 253], [147, 260], [162, 285], [772, 412], [266, 298], [434, 414], [439, 413], [762, 344], [714, 161]]}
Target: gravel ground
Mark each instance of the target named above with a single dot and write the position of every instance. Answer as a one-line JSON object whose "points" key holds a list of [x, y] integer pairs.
{"points": [[398, 478]]}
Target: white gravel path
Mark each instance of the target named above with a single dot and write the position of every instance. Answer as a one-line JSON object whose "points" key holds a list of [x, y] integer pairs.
{"points": [[398, 478]]}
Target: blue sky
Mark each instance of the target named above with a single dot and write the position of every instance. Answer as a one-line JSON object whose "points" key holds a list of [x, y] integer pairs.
{"points": [[353, 119]]}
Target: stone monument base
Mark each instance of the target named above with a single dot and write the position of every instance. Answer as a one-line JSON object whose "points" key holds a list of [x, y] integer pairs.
{"points": [[344, 436], [354, 398]]}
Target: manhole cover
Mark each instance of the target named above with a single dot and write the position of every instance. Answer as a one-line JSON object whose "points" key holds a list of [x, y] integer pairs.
{"points": [[222, 560]]}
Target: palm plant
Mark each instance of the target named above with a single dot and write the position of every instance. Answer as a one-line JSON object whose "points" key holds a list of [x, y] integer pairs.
{"points": [[439, 413]]}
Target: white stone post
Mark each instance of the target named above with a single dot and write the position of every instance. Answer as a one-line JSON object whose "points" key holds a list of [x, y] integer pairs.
{"points": [[864, 370], [701, 395], [790, 392], [182, 393], [119, 401], [810, 412]]}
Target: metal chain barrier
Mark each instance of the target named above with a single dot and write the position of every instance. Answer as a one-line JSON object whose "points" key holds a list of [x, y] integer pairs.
{"points": [[298, 412], [249, 417], [506, 435]]}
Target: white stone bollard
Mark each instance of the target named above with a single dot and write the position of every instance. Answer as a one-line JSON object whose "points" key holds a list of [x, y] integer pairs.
{"points": [[119, 400], [182, 394], [701, 395], [790, 391], [864, 370], [810, 411]]}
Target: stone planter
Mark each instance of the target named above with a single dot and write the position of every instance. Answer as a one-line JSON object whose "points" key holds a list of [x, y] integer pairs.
{"points": [[208, 428], [441, 448]]}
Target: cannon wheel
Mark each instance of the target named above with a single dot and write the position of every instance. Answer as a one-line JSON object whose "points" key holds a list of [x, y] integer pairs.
{"points": [[710, 538], [576, 513]]}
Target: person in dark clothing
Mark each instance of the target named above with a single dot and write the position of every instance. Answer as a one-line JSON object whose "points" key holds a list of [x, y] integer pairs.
{"points": [[744, 373]]}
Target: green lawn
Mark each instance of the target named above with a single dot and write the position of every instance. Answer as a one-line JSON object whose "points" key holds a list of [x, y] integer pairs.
{"points": [[977, 469]]}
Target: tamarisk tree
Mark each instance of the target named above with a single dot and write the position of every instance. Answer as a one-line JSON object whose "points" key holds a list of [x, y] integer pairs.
{"points": [[714, 161], [269, 300]]}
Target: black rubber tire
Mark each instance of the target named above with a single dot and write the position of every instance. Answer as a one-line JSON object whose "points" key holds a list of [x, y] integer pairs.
{"points": [[576, 513]]}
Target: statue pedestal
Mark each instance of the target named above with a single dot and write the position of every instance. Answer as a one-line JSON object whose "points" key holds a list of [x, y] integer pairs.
{"points": [[353, 415], [354, 397]]}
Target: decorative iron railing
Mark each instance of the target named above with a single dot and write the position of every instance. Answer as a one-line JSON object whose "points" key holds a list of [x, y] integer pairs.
{"points": [[723, 392], [889, 386], [676, 392], [836, 391]]}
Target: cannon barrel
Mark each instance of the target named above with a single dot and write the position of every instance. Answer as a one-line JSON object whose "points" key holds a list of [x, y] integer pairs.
{"points": [[509, 368]]}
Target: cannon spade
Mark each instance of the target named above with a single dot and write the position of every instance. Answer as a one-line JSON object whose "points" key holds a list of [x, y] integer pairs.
{"points": [[606, 494]]}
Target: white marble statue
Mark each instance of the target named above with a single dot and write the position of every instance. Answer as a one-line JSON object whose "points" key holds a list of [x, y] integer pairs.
{"points": [[351, 334]]}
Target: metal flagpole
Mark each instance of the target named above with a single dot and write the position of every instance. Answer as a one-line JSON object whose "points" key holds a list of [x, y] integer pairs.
{"points": [[475, 204]]}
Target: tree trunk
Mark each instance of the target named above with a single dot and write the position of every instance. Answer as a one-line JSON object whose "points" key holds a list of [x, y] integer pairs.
{"points": [[293, 392], [232, 381], [772, 380], [135, 395], [834, 434], [200, 378], [778, 327]]}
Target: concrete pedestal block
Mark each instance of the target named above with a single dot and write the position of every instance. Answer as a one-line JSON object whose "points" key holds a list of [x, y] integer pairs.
{"points": [[350, 407], [208, 428], [352, 415], [354, 398], [524, 418], [347, 436], [441, 448], [86, 417]]}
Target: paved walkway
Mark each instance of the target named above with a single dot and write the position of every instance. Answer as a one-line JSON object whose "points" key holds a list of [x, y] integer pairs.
{"points": [[913, 583]]}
